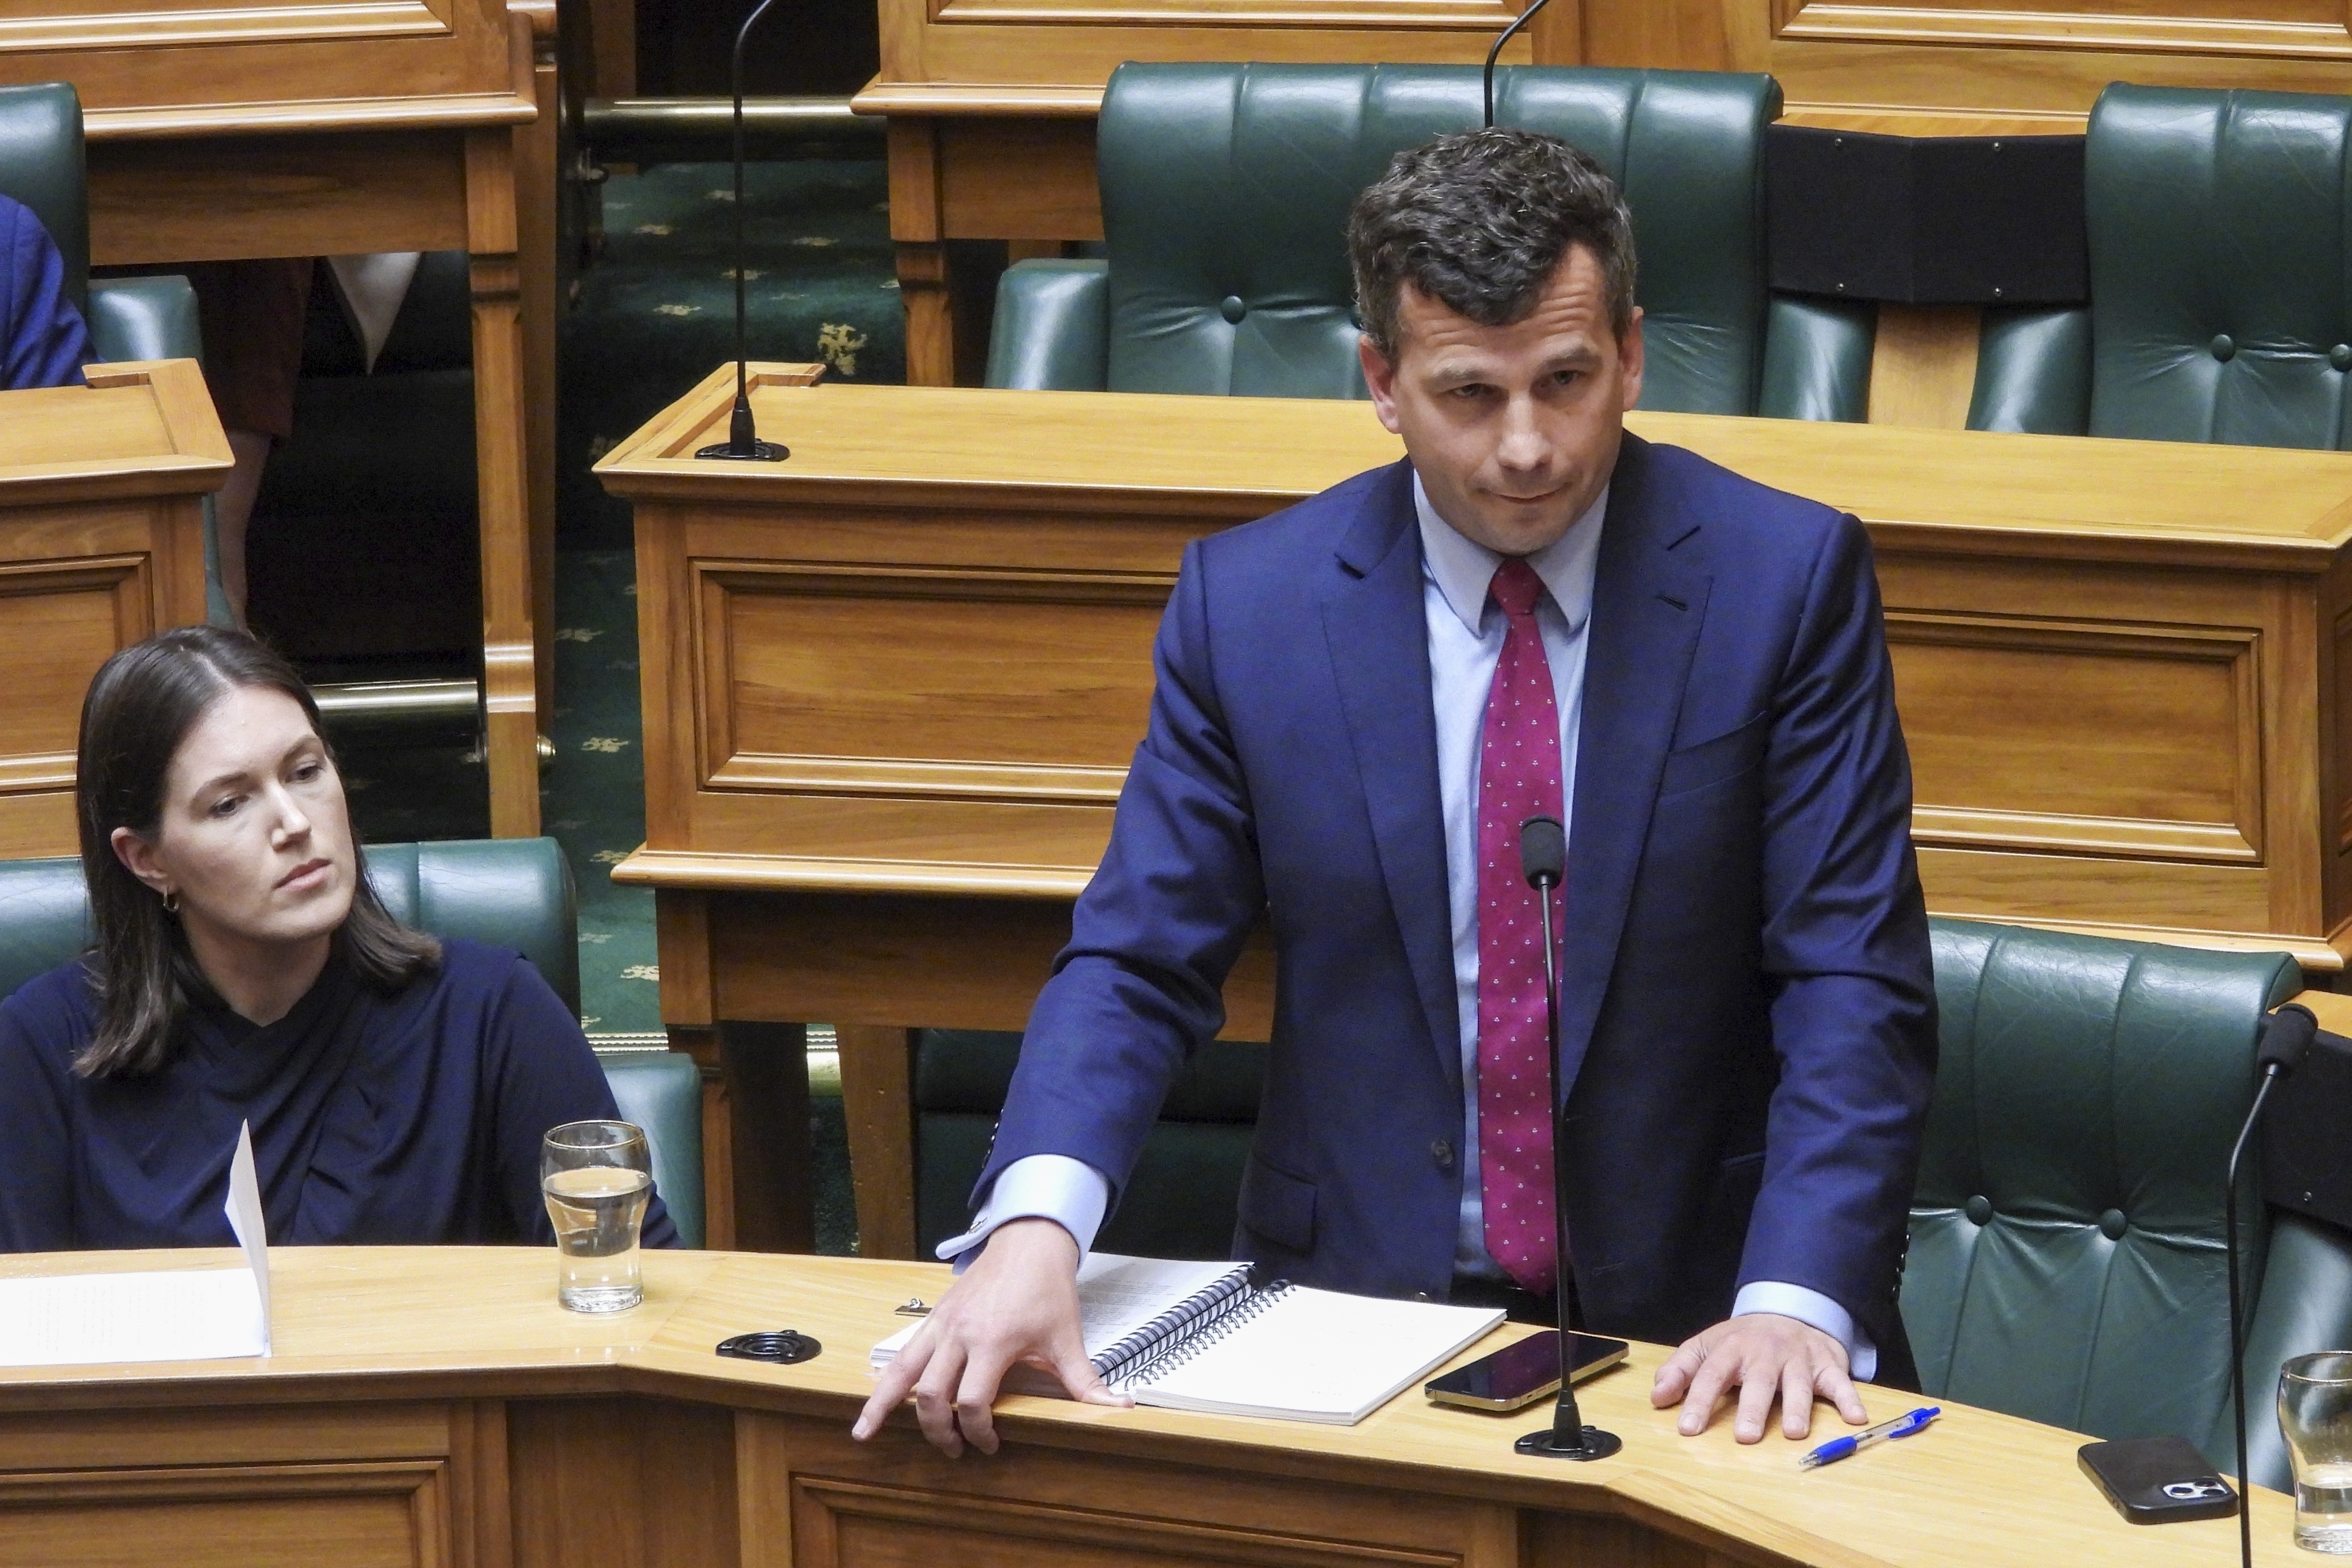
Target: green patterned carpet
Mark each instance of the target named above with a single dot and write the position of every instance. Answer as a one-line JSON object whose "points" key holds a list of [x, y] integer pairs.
{"points": [[656, 312]]}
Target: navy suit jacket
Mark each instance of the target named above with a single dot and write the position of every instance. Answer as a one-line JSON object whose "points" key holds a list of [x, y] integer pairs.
{"points": [[1748, 1002]]}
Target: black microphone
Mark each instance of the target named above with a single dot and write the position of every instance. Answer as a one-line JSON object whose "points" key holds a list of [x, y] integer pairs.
{"points": [[1543, 860], [743, 443], [2286, 1040], [1505, 37]]}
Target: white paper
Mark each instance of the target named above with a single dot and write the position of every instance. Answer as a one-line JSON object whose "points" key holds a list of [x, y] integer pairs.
{"points": [[205, 1314]]}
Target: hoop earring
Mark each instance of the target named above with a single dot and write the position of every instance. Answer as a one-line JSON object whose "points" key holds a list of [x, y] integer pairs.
{"points": [[171, 903]]}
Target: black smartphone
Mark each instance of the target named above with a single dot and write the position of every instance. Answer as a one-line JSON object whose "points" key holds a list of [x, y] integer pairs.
{"points": [[1523, 1373], [2156, 1480]]}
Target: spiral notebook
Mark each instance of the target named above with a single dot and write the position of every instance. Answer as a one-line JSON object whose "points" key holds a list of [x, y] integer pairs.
{"points": [[1202, 1336]]}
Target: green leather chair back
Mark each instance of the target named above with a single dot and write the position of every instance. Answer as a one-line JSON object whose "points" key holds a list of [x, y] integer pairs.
{"points": [[2220, 279], [1226, 188], [2066, 1260], [515, 892], [41, 167], [1182, 1199]]}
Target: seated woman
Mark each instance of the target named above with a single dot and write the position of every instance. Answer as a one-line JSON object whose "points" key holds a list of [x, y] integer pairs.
{"points": [[242, 970], [43, 342]]}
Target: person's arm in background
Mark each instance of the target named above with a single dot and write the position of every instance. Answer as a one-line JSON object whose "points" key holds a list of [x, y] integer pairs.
{"points": [[46, 342], [546, 1074], [1137, 991], [1846, 950]]}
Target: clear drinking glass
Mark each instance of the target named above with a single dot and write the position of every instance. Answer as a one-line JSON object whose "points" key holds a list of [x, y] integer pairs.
{"points": [[596, 1177], [2315, 1408]]}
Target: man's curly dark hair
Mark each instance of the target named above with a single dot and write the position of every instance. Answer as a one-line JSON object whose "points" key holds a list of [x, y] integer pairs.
{"points": [[1478, 221]]}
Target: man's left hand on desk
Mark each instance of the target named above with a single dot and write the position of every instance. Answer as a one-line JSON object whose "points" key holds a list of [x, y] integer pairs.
{"points": [[1763, 1354]]}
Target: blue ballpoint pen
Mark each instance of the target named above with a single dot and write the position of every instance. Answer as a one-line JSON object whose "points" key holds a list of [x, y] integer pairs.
{"points": [[1837, 1449]]}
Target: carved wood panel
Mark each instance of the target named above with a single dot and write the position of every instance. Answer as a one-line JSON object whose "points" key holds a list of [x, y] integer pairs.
{"points": [[899, 1505], [1999, 710], [985, 685]]}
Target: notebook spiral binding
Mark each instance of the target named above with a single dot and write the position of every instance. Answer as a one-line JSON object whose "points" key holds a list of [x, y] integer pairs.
{"points": [[1112, 1363], [1206, 1329]]}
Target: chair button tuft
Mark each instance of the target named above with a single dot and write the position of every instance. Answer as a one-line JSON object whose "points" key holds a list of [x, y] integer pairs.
{"points": [[2112, 1225], [2341, 356], [1232, 309], [1978, 1209], [2223, 348]]}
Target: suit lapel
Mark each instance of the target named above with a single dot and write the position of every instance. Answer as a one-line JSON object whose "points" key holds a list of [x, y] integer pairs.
{"points": [[1647, 607], [1374, 626]]}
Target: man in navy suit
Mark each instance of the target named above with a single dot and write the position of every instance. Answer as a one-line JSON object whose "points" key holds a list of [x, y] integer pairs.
{"points": [[1359, 700]]}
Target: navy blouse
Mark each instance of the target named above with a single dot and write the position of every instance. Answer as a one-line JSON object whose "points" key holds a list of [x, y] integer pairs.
{"points": [[411, 1118]]}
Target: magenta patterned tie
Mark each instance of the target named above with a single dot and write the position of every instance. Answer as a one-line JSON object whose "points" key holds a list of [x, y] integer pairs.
{"points": [[1519, 777]]}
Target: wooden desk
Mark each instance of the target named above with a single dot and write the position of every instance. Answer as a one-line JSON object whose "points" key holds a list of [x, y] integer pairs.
{"points": [[433, 1405], [101, 543], [891, 686], [220, 130]]}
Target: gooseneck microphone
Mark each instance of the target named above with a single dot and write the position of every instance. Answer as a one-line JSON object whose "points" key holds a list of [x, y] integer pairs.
{"points": [[1543, 860], [1505, 37], [2286, 1040], [743, 443]]}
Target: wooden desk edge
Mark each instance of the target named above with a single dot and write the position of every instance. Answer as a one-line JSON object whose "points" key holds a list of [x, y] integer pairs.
{"points": [[686, 868], [449, 111], [1075, 101]]}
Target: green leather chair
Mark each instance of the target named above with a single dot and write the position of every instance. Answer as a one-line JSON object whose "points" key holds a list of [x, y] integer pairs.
{"points": [[2065, 1259], [1225, 191], [1182, 1199], [2220, 307], [515, 892], [41, 167]]}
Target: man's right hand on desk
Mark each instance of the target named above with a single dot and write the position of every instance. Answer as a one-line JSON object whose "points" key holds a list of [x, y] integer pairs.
{"points": [[1016, 1305]]}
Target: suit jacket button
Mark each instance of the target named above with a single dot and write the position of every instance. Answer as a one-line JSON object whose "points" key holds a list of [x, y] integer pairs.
{"points": [[1422, 1296], [1442, 1151]]}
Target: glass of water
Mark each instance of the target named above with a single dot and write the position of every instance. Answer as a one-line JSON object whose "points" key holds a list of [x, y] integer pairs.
{"points": [[2315, 1407], [596, 1177]]}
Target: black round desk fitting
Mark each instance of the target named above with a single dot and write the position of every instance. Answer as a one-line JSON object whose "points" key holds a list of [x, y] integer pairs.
{"points": [[1591, 1443], [785, 1347]]}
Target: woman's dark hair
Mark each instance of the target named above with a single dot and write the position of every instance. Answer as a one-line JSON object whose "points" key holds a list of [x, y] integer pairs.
{"points": [[141, 705], [1479, 221]]}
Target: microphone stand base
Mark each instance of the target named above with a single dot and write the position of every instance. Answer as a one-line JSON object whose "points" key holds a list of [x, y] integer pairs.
{"points": [[761, 452], [1592, 1443]]}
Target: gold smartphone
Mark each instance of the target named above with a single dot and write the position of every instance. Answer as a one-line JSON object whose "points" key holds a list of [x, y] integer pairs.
{"points": [[1523, 1373]]}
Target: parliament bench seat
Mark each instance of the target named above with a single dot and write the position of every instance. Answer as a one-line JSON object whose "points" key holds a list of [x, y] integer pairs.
{"points": [[2220, 306], [1225, 193], [2065, 1259], [514, 893]]}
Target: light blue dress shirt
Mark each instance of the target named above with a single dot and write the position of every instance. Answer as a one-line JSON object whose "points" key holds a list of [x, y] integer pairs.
{"points": [[1465, 642]]}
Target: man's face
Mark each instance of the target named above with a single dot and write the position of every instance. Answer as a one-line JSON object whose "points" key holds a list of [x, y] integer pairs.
{"points": [[1514, 430]]}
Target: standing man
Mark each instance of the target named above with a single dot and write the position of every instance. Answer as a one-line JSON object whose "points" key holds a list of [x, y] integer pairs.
{"points": [[1359, 701]]}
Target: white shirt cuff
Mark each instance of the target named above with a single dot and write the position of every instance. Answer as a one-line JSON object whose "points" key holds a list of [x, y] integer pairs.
{"points": [[1070, 1193], [1807, 1306]]}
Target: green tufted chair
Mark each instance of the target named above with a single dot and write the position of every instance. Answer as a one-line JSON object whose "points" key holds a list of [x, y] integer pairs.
{"points": [[2221, 299], [2065, 1261], [1225, 191], [514, 893]]}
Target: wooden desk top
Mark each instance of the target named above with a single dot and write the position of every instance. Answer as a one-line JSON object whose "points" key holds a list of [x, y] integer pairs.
{"points": [[2019, 495], [138, 428], [1978, 1490]]}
